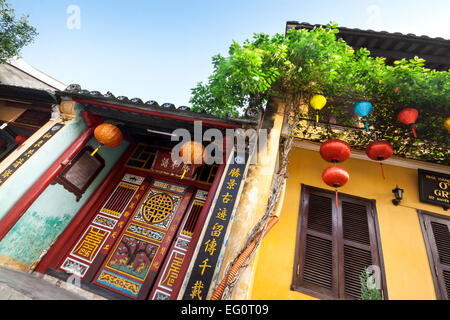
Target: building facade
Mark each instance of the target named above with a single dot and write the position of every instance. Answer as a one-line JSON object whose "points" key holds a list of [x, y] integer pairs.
{"points": [[131, 223], [322, 244]]}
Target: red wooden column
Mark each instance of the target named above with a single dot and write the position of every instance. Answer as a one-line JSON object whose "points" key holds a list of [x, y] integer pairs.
{"points": [[27, 199]]}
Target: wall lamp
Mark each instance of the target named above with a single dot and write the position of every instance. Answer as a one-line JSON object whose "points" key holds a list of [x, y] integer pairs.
{"points": [[398, 194]]}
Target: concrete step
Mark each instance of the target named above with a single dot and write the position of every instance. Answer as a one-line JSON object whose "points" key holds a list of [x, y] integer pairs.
{"points": [[16, 285]]}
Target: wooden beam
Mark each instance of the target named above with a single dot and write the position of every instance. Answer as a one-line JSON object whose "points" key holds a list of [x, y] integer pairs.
{"points": [[408, 55], [172, 116]]}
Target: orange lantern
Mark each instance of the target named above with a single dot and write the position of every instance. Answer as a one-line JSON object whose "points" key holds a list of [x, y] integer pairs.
{"points": [[108, 135], [192, 153]]}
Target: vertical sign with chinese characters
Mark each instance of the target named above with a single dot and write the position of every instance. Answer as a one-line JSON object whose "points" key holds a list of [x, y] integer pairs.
{"points": [[12, 168], [213, 239]]}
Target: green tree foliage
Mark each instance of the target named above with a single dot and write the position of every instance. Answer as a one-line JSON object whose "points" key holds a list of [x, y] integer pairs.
{"points": [[15, 33], [304, 63]]}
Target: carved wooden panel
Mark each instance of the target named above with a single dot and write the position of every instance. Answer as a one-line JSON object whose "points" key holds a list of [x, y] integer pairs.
{"points": [[81, 171]]}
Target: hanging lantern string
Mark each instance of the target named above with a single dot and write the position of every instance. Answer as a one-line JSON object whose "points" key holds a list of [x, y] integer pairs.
{"points": [[414, 132], [96, 149], [367, 125]]}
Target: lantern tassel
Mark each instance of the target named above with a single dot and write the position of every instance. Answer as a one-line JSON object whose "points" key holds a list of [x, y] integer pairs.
{"points": [[336, 198], [414, 132], [182, 176], [95, 151], [317, 117], [382, 170]]}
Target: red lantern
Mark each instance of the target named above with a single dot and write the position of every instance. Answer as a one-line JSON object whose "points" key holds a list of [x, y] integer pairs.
{"points": [[409, 116], [21, 139], [379, 151], [336, 177], [335, 150]]}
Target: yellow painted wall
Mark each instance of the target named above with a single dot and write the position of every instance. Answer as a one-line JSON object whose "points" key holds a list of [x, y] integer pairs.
{"points": [[408, 273]]}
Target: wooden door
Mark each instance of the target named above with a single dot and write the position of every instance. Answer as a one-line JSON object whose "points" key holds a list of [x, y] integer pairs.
{"points": [[139, 251], [126, 242]]}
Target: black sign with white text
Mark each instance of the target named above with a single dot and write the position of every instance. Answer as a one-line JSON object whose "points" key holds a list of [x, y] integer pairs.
{"points": [[434, 188]]}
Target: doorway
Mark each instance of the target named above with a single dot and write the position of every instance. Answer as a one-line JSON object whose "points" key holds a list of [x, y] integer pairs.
{"points": [[140, 228]]}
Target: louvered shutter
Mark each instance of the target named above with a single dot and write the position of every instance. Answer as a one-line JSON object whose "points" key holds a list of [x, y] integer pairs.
{"points": [[317, 265], [358, 244], [437, 235], [334, 246]]}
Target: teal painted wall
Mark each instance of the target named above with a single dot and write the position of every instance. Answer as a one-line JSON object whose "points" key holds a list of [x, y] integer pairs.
{"points": [[53, 210], [50, 214], [23, 179]]}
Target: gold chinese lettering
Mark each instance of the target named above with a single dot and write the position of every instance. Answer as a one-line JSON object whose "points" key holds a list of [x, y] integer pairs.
{"points": [[90, 243], [7, 173], [197, 290], [204, 265], [235, 173], [18, 162], [174, 270], [211, 246], [226, 198], [38, 144], [222, 214], [165, 162], [216, 230], [29, 153], [231, 184]]}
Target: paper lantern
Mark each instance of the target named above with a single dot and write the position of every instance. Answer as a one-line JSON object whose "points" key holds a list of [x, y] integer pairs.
{"points": [[409, 116], [335, 150], [318, 102], [335, 177], [363, 109], [21, 139], [107, 135], [447, 124], [379, 151], [192, 153]]}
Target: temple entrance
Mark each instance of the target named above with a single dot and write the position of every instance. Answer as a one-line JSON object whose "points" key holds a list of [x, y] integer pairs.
{"points": [[140, 228]]}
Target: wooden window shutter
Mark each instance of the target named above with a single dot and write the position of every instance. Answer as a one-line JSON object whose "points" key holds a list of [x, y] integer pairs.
{"points": [[316, 267], [436, 231], [359, 248], [334, 246]]}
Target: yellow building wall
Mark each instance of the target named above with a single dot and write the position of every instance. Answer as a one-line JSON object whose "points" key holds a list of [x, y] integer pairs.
{"points": [[408, 273]]}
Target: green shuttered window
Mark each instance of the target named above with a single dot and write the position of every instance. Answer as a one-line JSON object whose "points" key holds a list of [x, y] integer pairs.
{"points": [[334, 245]]}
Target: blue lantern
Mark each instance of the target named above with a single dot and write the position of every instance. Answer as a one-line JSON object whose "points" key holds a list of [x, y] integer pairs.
{"points": [[363, 109]]}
